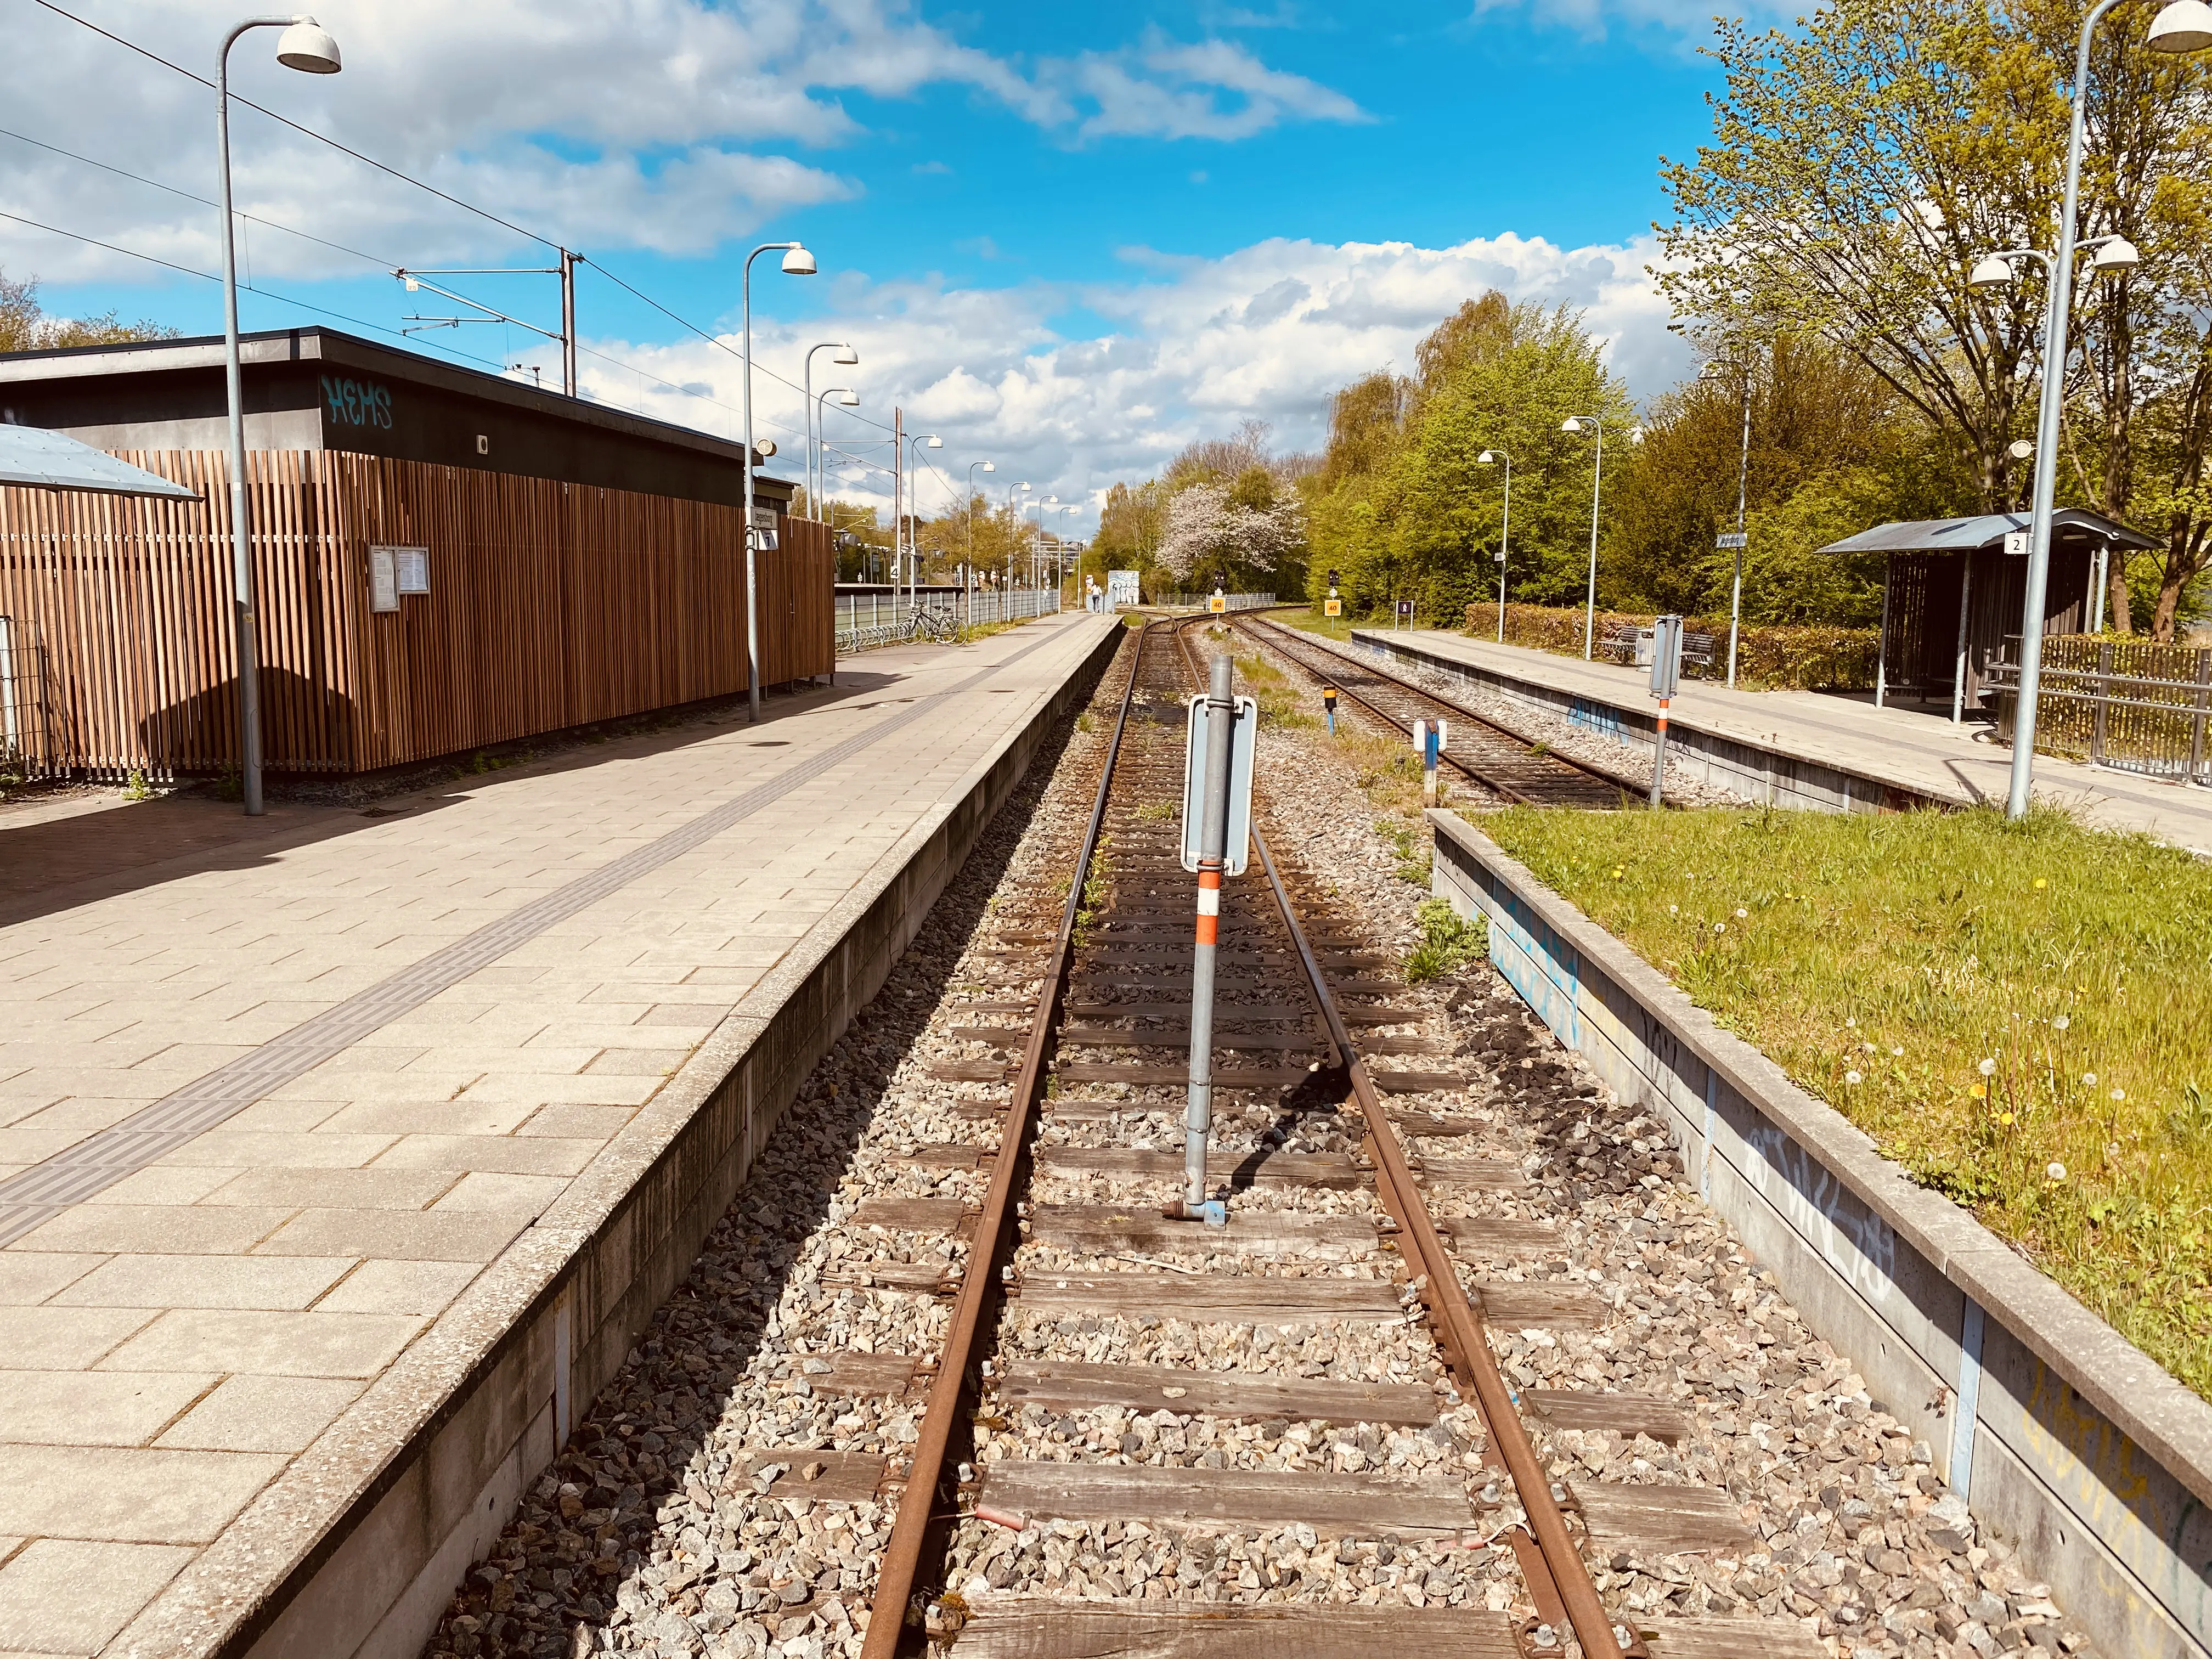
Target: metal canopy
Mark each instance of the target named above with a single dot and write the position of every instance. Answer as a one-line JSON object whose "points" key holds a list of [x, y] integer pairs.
{"points": [[1986, 530], [32, 455]]}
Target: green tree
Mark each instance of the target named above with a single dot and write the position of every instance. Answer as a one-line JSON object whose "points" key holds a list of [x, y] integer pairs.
{"points": [[25, 326], [1402, 505]]}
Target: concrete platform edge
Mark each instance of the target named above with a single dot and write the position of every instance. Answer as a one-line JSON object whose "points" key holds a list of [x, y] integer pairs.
{"points": [[1757, 772], [2076, 1444], [482, 1402]]}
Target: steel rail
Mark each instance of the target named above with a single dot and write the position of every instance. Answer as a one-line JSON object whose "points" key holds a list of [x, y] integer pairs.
{"points": [[1458, 1326], [1278, 635], [901, 1561]]}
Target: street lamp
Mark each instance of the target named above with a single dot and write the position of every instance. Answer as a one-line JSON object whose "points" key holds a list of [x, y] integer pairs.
{"points": [[797, 261], [847, 398], [2183, 26], [968, 507], [914, 493], [1575, 424], [1742, 480], [1037, 547], [305, 46], [846, 358], [1013, 521], [1492, 457]]}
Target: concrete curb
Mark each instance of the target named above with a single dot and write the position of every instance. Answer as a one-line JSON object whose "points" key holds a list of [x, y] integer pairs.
{"points": [[1772, 777], [2060, 1433], [424, 1470]]}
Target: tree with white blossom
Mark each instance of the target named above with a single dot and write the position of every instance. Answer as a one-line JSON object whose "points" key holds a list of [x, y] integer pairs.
{"points": [[1229, 532]]}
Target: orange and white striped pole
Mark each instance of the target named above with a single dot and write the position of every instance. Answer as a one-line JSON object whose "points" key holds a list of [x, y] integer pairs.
{"points": [[1198, 1204]]}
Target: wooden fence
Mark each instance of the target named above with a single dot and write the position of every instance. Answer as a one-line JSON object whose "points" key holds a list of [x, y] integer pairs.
{"points": [[550, 606]]}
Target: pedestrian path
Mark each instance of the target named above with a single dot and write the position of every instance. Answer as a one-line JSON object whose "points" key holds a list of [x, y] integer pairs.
{"points": [[274, 1092], [1903, 745]]}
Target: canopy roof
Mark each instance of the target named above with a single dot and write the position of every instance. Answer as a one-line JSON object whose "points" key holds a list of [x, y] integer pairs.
{"points": [[1987, 530], [32, 455]]}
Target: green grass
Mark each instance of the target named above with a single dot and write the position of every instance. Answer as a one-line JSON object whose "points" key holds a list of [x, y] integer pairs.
{"points": [[1312, 621], [2020, 1014], [1446, 945]]}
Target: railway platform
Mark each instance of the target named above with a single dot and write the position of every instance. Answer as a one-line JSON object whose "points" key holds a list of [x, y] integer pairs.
{"points": [[344, 1151], [1901, 750]]}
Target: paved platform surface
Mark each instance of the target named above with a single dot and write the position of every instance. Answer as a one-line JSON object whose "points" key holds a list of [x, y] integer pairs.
{"points": [[273, 1092], [1921, 750]]}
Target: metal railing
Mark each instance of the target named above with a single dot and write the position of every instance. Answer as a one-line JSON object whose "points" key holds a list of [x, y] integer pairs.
{"points": [[2151, 721], [1201, 601], [867, 621]]}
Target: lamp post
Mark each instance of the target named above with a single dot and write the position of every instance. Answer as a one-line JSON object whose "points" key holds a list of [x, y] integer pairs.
{"points": [[1742, 483], [1013, 521], [846, 356], [1575, 424], [1059, 564], [2182, 27], [1492, 457], [304, 46], [913, 492], [847, 398], [1037, 547], [797, 261], [968, 507]]}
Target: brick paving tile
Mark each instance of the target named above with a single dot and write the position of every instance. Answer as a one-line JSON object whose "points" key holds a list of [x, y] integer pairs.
{"points": [[195, 1325]]}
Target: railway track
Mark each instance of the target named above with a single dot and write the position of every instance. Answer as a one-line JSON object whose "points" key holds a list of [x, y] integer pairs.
{"points": [[1353, 1204], [1513, 766]]}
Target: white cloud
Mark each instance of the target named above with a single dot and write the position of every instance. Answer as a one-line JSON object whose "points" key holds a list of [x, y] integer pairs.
{"points": [[1196, 345], [655, 124]]}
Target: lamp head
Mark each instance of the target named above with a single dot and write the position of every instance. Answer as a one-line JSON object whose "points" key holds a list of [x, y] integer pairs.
{"points": [[2020, 449], [765, 448], [306, 46], [989, 467], [850, 400], [1572, 423], [2114, 255], [798, 262], [1486, 460], [1991, 271], [2184, 26], [845, 354], [934, 442]]}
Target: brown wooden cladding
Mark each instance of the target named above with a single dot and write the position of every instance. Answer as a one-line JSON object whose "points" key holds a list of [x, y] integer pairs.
{"points": [[550, 604]]}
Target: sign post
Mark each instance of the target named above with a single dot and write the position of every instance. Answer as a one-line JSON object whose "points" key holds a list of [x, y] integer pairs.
{"points": [[1405, 613], [1329, 706], [1217, 832], [1332, 606], [1666, 675], [1429, 740]]}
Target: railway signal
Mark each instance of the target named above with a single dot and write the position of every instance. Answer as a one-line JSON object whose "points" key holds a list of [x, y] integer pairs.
{"points": [[1329, 706], [1217, 836]]}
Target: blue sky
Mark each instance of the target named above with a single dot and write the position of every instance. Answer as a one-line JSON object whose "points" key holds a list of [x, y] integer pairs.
{"points": [[1069, 239]]}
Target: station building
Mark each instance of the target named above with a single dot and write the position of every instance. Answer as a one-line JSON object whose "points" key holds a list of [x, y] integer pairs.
{"points": [[445, 558]]}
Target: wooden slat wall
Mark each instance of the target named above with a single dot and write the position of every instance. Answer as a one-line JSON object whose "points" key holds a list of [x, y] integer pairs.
{"points": [[550, 605]]}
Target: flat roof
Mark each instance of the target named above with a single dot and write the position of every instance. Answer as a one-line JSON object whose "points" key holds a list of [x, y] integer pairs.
{"points": [[1983, 529], [339, 350]]}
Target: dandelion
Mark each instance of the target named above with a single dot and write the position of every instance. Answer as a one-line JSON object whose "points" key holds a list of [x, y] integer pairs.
{"points": [[2005, 1118], [2088, 1079], [1719, 927], [2111, 1149], [1740, 912], [1618, 873], [1853, 1078], [2060, 1022], [1989, 1068], [1868, 1047], [1898, 1053], [2054, 1174], [2119, 1094], [1852, 1021], [1674, 910], [2039, 884], [1978, 1092]]}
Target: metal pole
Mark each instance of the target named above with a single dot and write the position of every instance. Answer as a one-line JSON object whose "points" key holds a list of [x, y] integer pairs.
{"points": [[568, 322], [2049, 414], [1881, 640], [1597, 487], [1505, 536], [241, 524], [1959, 673], [1742, 478], [898, 502], [1212, 856], [752, 584], [2104, 564]]}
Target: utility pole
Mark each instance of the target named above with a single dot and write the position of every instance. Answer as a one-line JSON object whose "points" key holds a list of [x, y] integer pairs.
{"points": [[898, 500], [568, 264]]}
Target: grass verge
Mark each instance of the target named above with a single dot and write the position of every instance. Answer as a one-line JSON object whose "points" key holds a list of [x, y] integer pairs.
{"points": [[2020, 1014]]}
